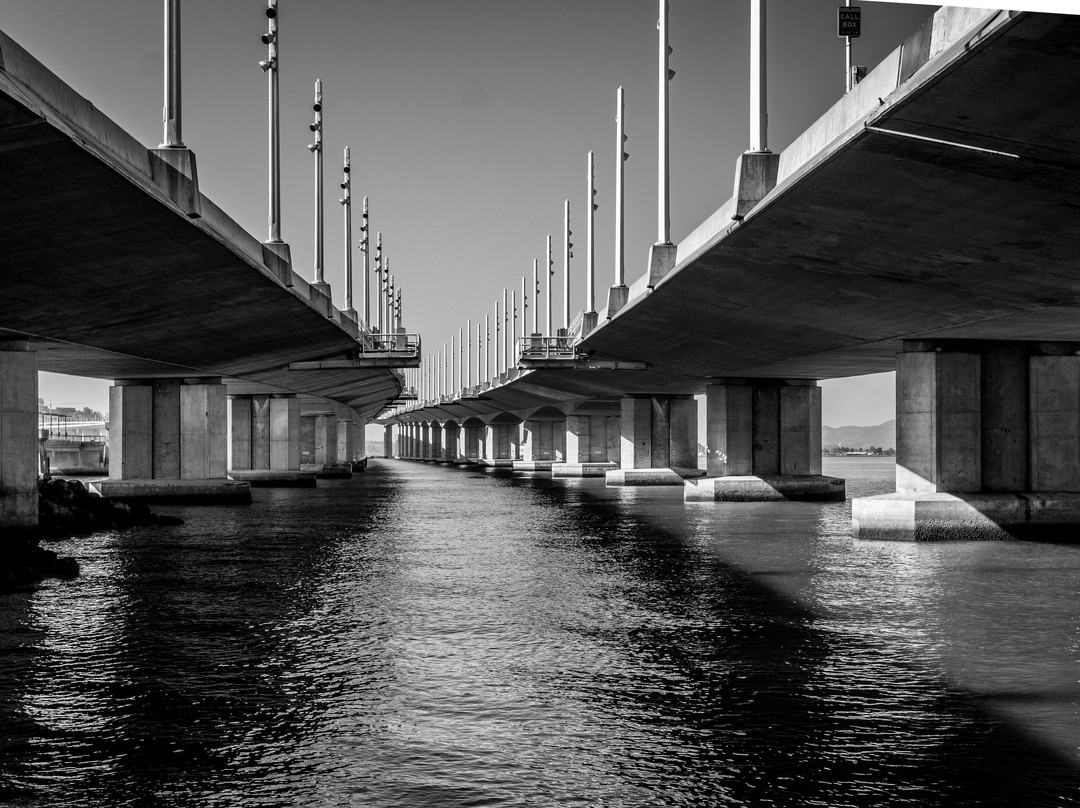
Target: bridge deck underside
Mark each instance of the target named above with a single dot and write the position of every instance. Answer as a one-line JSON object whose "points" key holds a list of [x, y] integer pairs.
{"points": [[109, 281], [889, 238]]}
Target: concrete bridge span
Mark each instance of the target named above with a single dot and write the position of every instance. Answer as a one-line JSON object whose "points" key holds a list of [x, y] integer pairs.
{"points": [[116, 266], [926, 223]]}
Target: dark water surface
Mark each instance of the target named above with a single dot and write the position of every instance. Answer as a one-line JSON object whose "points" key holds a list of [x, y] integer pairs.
{"points": [[431, 636]]}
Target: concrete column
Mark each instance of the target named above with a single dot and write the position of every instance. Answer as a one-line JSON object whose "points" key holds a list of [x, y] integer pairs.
{"points": [[452, 442], [988, 444], [18, 435], [763, 441], [437, 441], [344, 442], [285, 433], [938, 394], [658, 435], [325, 440], [388, 441], [166, 431], [1055, 423], [425, 441], [659, 432], [265, 441], [445, 453], [729, 434]]}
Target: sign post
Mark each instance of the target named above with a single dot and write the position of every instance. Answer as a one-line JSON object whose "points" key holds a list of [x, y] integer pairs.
{"points": [[848, 26]]}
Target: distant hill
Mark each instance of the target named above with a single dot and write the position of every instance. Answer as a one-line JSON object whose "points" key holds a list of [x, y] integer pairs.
{"points": [[860, 437]]}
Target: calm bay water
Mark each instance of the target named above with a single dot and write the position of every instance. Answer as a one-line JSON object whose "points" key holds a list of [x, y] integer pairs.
{"points": [[431, 636]]}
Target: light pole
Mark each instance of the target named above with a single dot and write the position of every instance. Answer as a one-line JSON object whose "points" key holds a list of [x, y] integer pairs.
{"points": [[316, 148], [172, 137], [567, 255], [346, 202], [364, 251], [270, 66]]}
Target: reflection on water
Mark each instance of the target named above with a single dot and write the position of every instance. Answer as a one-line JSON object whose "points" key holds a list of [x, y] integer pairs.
{"points": [[426, 635]]}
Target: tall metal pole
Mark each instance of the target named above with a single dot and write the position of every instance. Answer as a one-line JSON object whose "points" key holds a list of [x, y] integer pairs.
{"points": [[506, 331], [391, 319], [316, 147], [468, 354], [378, 273], [567, 246], [848, 83], [663, 223], [271, 66], [524, 308], [511, 359], [461, 357], [173, 136], [550, 272], [620, 199], [388, 300], [759, 120], [487, 347], [590, 245], [536, 298], [346, 202], [479, 347], [498, 338], [364, 250]]}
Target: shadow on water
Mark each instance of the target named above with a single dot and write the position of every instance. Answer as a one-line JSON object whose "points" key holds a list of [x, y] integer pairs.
{"points": [[184, 672], [439, 636], [765, 706]]}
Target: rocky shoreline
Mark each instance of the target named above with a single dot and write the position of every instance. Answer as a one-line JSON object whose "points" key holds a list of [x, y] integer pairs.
{"points": [[66, 508]]}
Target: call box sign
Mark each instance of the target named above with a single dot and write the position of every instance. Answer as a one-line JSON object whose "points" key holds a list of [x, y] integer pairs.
{"points": [[849, 21]]}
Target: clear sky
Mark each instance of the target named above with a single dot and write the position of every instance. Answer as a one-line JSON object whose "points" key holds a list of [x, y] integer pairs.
{"points": [[469, 123]]}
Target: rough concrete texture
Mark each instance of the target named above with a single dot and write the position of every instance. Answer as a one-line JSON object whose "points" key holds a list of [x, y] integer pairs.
{"points": [[748, 488], [582, 469], [267, 478], [967, 516], [189, 492], [630, 477]]}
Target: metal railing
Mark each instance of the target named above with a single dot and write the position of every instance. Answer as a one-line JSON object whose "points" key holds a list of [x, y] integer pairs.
{"points": [[401, 345], [563, 347]]}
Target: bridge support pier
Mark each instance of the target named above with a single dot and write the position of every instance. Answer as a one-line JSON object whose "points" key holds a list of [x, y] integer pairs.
{"points": [[763, 441], [452, 443], [987, 444], [658, 442], [502, 444], [438, 442], [19, 456], [388, 441], [543, 443], [169, 443], [265, 441], [592, 446], [475, 441]]}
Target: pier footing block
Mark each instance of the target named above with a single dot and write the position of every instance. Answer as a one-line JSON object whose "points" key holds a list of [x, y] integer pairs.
{"points": [[533, 465], [186, 492], [620, 478], [262, 478], [582, 469], [765, 488], [985, 516]]}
